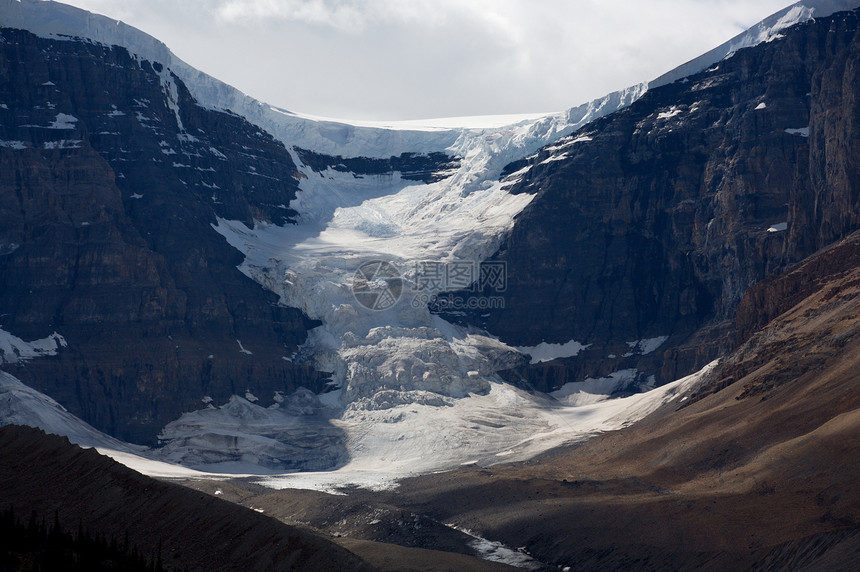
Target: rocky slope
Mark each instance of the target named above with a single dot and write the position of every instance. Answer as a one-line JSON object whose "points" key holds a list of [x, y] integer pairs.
{"points": [[758, 470], [654, 221], [193, 529], [754, 470]]}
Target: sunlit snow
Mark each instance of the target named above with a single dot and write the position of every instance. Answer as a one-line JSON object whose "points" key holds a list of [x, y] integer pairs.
{"points": [[507, 424]]}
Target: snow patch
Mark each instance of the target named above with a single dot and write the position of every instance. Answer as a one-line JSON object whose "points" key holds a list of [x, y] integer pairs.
{"points": [[63, 121], [14, 145], [802, 131], [498, 552], [14, 350], [63, 144], [644, 347], [564, 144], [217, 153], [761, 105], [593, 390], [561, 157], [778, 227], [547, 352], [673, 111]]}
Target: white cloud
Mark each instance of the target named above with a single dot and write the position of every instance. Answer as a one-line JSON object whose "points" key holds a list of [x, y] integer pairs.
{"points": [[349, 16], [339, 15], [421, 58]]}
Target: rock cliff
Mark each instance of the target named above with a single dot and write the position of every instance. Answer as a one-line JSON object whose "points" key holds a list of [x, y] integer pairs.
{"points": [[655, 220], [107, 200]]}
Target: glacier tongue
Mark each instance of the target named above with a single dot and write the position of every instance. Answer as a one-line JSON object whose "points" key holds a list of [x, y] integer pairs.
{"points": [[397, 365], [346, 221], [505, 425]]}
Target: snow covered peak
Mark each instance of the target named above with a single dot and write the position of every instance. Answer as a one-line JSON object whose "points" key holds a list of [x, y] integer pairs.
{"points": [[375, 139], [59, 21], [765, 31]]}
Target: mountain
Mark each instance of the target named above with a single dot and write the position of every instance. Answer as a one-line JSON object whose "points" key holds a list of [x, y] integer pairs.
{"points": [[110, 197], [651, 223], [119, 199], [626, 332], [249, 289], [753, 470]]}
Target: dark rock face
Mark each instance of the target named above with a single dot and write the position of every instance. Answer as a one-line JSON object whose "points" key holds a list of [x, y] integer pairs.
{"points": [[655, 220], [772, 323], [107, 200], [829, 207], [427, 168]]}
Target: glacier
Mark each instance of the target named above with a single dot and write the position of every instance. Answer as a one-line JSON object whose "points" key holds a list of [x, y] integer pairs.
{"points": [[410, 391]]}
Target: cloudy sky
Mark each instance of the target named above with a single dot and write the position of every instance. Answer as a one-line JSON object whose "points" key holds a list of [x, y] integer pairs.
{"points": [[417, 59]]}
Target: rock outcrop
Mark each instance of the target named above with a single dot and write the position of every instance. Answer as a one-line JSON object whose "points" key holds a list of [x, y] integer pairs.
{"points": [[427, 168]]}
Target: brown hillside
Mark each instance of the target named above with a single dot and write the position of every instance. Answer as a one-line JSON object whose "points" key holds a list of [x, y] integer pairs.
{"points": [[759, 471], [45, 473]]}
